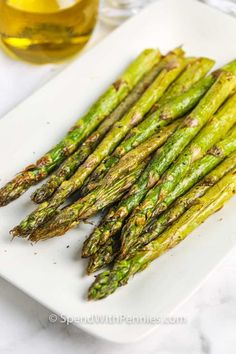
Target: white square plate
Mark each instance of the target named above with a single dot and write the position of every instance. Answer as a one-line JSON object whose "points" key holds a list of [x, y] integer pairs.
{"points": [[54, 274]]}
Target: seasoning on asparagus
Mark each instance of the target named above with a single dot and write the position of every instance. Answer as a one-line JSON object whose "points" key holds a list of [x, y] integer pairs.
{"points": [[164, 157], [89, 205], [105, 255], [114, 194], [107, 252], [69, 167], [82, 129], [127, 164], [195, 70], [215, 198], [135, 156], [183, 203], [111, 224], [108, 144], [212, 132]]}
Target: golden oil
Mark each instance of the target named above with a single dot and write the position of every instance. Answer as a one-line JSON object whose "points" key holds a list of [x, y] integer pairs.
{"points": [[45, 31]]}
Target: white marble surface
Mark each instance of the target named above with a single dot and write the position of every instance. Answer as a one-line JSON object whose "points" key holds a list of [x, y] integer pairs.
{"points": [[210, 314]]}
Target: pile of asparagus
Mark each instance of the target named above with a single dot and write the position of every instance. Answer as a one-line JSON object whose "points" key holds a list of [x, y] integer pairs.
{"points": [[156, 153]]}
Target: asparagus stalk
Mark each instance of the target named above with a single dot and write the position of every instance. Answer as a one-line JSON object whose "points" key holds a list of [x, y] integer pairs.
{"points": [[119, 187], [69, 167], [135, 156], [108, 144], [199, 169], [184, 203], [114, 220], [107, 252], [213, 131], [82, 128], [127, 164], [195, 70], [105, 255], [215, 198], [192, 124], [161, 161]]}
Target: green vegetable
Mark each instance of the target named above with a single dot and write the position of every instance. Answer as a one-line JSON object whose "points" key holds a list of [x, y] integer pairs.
{"points": [[69, 167], [110, 190], [213, 131], [107, 252], [118, 189], [162, 160], [184, 201], [108, 144], [82, 129], [195, 70], [192, 124], [215, 198]]}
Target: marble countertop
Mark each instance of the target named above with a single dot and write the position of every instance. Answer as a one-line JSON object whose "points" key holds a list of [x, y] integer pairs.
{"points": [[210, 314]]}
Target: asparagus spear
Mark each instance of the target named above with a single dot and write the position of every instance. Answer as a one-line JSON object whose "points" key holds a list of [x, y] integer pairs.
{"points": [[127, 164], [184, 202], [109, 250], [114, 220], [100, 198], [74, 161], [161, 161], [108, 144], [200, 168], [215, 198], [83, 127], [195, 70], [213, 131], [135, 156], [105, 255], [117, 191]]}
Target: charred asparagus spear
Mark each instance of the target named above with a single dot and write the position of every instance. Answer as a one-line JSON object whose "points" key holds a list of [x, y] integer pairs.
{"points": [[195, 70], [127, 164], [90, 204], [114, 193], [82, 129], [109, 250], [213, 131], [106, 254], [183, 203], [69, 167], [215, 198], [161, 161], [108, 144], [135, 156]]}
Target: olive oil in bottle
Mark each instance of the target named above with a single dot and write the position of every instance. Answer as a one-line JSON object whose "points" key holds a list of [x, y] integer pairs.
{"points": [[43, 31]]}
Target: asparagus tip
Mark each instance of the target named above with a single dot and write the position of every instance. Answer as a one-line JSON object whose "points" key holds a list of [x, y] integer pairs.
{"points": [[90, 245], [103, 286], [15, 232], [38, 196]]}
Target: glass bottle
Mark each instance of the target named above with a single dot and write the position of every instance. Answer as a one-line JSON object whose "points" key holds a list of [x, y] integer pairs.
{"points": [[44, 31]]}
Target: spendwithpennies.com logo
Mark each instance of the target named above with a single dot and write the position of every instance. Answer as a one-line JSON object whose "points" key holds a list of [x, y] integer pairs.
{"points": [[118, 319]]}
